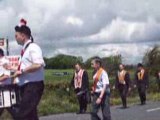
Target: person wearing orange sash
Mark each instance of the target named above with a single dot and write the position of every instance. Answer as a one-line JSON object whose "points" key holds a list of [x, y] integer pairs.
{"points": [[123, 84], [142, 82], [158, 80], [80, 83], [100, 91]]}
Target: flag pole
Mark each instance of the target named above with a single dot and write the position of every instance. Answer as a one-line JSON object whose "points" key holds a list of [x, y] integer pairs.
{"points": [[7, 46]]}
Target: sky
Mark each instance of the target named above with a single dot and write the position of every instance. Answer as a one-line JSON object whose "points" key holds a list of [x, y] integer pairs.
{"points": [[85, 27]]}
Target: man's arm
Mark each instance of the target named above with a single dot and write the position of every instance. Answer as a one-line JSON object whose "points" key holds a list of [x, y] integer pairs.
{"points": [[115, 86], [135, 79], [128, 80], [4, 77], [34, 67], [103, 91], [105, 81], [147, 79], [85, 81]]}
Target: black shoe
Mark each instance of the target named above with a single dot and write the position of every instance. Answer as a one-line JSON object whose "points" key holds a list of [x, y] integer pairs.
{"points": [[143, 103], [79, 112], [123, 107], [84, 111]]}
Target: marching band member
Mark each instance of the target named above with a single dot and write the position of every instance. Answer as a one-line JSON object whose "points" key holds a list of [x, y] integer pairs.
{"points": [[123, 84], [141, 82], [30, 73], [158, 80], [4, 76], [4, 72], [80, 83], [100, 91]]}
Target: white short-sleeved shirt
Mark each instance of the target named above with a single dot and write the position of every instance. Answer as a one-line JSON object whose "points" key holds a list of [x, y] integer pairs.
{"points": [[32, 54], [104, 80], [3, 71]]}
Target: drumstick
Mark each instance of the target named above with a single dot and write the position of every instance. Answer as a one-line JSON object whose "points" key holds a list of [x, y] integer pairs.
{"points": [[13, 76]]}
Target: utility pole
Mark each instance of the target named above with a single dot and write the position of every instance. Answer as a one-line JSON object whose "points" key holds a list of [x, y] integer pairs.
{"points": [[7, 47]]}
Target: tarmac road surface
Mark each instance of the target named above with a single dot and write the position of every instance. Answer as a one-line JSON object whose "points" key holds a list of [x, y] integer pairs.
{"points": [[150, 111]]}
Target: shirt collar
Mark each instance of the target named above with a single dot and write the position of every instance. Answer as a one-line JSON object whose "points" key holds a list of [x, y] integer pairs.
{"points": [[25, 44]]}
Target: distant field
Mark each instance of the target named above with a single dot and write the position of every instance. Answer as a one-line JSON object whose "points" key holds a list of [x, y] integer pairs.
{"points": [[58, 97], [51, 77]]}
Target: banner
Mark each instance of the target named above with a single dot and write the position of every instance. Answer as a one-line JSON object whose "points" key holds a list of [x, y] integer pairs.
{"points": [[14, 60], [3, 45]]}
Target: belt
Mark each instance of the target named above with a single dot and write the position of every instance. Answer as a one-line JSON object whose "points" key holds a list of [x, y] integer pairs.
{"points": [[96, 93]]}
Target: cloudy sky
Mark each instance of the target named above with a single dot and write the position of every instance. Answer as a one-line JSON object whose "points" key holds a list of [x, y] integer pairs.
{"points": [[85, 27]]}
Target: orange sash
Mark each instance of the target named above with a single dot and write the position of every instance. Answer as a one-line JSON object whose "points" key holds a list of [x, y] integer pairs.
{"points": [[97, 78], [121, 77], [141, 74], [78, 79]]}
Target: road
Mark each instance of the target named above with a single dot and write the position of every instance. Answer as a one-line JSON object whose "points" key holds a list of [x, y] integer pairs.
{"points": [[150, 111]]}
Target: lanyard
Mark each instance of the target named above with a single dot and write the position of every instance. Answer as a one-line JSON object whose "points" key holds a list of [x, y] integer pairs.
{"points": [[22, 53]]}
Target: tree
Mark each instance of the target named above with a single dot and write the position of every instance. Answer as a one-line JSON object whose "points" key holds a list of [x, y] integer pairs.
{"points": [[62, 61], [110, 63], [151, 60]]}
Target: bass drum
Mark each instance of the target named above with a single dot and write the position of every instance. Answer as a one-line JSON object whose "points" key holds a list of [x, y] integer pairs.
{"points": [[9, 95]]}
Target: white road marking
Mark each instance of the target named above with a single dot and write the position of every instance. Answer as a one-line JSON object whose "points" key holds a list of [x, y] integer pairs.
{"points": [[154, 109]]}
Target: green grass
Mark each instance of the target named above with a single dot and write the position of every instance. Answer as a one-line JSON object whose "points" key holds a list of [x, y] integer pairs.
{"points": [[57, 99]]}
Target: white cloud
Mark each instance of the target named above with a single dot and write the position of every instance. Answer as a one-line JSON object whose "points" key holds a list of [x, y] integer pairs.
{"points": [[125, 31], [74, 21], [62, 26]]}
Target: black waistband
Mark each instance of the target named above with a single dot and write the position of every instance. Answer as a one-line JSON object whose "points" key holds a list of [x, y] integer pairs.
{"points": [[32, 83], [11, 86]]}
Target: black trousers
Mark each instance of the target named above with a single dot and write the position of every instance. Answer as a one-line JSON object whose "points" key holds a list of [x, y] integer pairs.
{"points": [[82, 99], [158, 84], [142, 92], [82, 102], [30, 97], [123, 90], [105, 106]]}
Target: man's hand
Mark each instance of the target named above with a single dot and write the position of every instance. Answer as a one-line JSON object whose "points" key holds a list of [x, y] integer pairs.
{"points": [[147, 86], [99, 100], [9, 67], [91, 92], [17, 73], [129, 89]]}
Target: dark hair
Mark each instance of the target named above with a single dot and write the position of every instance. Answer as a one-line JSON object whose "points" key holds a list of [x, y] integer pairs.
{"points": [[139, 65], [122, 64], [25, 30], [1, 52], [98, 60], [80, 64]]}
